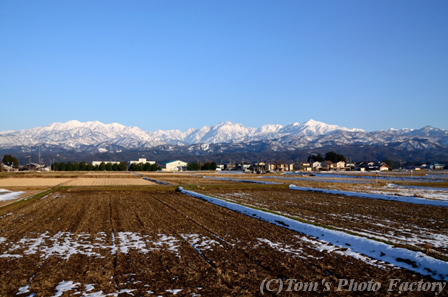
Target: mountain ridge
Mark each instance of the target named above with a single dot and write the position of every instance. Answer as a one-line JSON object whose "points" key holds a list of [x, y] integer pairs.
{"points": [[220, 133], [225, 137]]}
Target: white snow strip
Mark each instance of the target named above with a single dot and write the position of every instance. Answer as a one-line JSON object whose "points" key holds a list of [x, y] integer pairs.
{"points": [[127, 291], [96, 294], [8, 195], [413, 200], [414, 261], [65, 287], [10, 256], [23, 290]]}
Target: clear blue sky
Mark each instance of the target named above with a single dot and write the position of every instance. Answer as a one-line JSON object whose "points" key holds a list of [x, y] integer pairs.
{"points": [[161, 64]]}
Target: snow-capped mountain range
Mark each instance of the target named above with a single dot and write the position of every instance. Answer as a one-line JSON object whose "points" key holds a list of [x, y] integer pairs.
{"points": [[78, 136]]}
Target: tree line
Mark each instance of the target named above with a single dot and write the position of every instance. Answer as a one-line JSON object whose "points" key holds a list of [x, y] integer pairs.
{"points": [[330, 156], [83, 166], [144, 167], [207, 166]]}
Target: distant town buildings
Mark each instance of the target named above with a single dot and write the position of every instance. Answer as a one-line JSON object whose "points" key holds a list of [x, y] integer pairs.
{"points": [[142, 164]]}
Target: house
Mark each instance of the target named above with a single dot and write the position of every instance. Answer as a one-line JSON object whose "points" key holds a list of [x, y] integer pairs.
{"points": [[305, 166], [245, 166], [350, 166], [316, 166], [34, 167], [279, 166], [327, 165], [229, 166], [220, 167], [259, 167], [384, 167], [8, 168], [143, 161], [367, 166], [339, 165], [174, 165], [438, 166]]}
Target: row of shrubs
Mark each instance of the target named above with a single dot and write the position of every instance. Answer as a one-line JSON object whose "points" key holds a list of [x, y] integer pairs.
{"points": [[206, 166], [83, 166]]}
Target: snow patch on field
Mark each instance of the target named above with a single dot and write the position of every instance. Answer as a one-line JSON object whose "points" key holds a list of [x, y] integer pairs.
{"points": [[65, 244], [23, 290], [8, 195], [400, 234], [317, 179], [415, 191], [130, 240], [354, 246], [65, 287], [75, 289], [413, 200], [428, 178], [200, 242], [284, 248], [250, 181], [174, 291]]}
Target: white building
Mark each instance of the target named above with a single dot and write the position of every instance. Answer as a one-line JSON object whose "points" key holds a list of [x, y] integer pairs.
{"points": [[94, 163], [316, 166], [142, 160], [174, 165]]}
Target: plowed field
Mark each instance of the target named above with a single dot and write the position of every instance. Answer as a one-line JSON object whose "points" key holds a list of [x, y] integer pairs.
{"points": [[109, 181], [416, 226], [140, 243]]}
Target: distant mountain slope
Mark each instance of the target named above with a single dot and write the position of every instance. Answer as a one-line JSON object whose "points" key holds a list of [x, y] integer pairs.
{"points": [[97, 137]]}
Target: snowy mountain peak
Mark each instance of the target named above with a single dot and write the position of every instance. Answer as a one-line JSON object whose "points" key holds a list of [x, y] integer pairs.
{"points": [[312, 122]]}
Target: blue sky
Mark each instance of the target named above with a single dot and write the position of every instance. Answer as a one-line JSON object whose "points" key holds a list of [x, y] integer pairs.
{"points": [[178, 64]]}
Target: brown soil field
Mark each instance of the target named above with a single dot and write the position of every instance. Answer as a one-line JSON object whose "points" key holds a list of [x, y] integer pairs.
{"points": [[14, 182], [162, 243], [109, 181], [404, 224], [51, 174], [364, 186], [185, 179]]}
